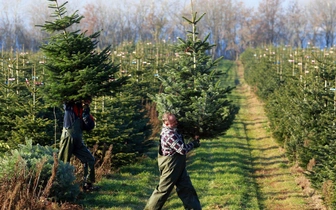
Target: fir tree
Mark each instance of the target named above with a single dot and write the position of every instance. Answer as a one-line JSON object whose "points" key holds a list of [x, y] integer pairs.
{"points": [[6, 118], [22, 108], [75, 69], [192, 87], [122, 123]]}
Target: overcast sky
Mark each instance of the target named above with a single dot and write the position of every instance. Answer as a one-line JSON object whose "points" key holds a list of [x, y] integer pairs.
{"points": [[8, 6], [251, 3]]}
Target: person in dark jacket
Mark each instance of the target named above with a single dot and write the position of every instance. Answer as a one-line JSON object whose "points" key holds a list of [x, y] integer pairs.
{"points": [[77, 118], [172, 166]]}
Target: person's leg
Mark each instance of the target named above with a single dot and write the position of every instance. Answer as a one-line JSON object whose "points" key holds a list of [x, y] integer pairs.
{"points": [[85, 156], [169, 174], [160, 194], [66, 147], [187, 193]]}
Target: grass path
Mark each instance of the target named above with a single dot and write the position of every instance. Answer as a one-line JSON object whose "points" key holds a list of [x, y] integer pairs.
{"points": [[277, 188], [243, 169]]}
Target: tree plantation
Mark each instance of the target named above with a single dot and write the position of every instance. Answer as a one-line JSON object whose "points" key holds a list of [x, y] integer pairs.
{"points": [[298, 88], [139, 60], [125, 83]]}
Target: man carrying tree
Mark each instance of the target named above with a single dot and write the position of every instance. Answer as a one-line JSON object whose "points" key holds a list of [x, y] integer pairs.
{"points": [[75, 72], [172, 166], [77, 118]]}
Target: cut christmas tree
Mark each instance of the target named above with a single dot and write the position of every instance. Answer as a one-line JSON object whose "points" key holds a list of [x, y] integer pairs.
{"points": [[75, 69], [193, 89]]}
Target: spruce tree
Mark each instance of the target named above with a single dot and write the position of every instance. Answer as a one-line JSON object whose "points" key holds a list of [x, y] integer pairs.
{"points": [[193, 88], [75, 69]]}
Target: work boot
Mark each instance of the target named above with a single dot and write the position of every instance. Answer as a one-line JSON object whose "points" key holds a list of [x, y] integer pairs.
{"points": [[88, 187]]}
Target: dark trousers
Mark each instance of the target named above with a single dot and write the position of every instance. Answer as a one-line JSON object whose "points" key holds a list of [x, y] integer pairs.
{"points": [[72, 144], [173, 173]]}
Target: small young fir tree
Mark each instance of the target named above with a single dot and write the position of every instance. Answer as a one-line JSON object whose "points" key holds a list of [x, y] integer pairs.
{"points": [[193, 88], [75, 69]]}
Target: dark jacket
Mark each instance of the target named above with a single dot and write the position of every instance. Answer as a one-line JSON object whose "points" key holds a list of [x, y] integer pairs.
{"points": [[73, 111]]}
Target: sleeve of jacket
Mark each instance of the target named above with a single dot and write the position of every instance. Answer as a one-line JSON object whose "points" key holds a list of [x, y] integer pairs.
{"points": [[88, 120], [69, 115], [176, 143]]}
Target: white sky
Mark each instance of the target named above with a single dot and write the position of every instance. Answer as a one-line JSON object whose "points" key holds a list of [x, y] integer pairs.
{"points": [[251, 3], [22, 5]]}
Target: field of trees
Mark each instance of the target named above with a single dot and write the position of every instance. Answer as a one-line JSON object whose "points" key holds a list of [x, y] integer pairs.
{"points": [[151, 58], [130, 86], [298, 89]]}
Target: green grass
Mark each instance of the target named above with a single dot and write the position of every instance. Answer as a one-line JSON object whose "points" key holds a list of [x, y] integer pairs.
{"points": [[225, 171], [127, 189], [220, 171]]}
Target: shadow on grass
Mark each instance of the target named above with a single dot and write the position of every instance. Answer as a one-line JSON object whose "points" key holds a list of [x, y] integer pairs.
{"points": [[235, 159], [230, 155], [128, 188]]}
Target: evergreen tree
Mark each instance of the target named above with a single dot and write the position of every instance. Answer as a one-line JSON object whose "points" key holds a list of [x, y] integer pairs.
{"points": [[122, 123], [23, 111], [193, 89], [29, 122], [75, 69], [6, 121]]}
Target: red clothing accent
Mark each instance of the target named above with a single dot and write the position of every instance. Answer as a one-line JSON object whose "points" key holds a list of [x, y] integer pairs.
{"points": [[78, 111]]}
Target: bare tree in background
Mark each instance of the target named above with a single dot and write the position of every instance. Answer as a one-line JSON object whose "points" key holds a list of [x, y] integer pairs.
{"points": [[112, 19], [222, 22], [232, 26], [247, 33], [176, 25], [323, 20], [38, 15], [296, 24], [270, 21], [90, 20], [153, 18], [140, 12], [156, 20], [211, 23], [5, 25], [12, 30]]}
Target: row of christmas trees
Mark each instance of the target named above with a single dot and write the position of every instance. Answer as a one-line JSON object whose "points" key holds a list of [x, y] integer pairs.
{"points": [[121, 120], [298, 88], [126, 83]]}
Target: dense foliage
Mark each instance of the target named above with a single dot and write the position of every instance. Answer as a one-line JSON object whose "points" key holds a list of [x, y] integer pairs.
{"points": [[298, 88], [75, 70], [121, 120], [31, 166], [193, 90]]}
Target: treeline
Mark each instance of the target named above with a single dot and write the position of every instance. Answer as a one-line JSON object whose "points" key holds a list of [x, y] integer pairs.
{"points": [[233, 26], [298, 87]]}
